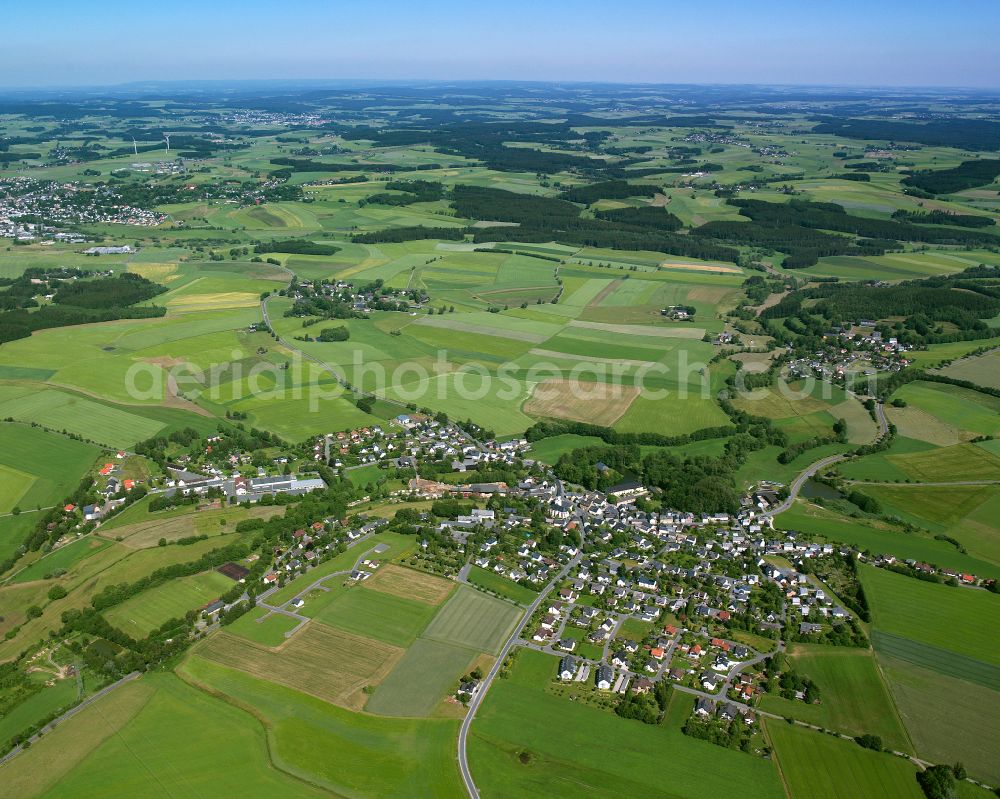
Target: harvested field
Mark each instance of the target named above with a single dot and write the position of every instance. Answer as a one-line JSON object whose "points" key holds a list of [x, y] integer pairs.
{"points": [[598, 403], [410, 584], [330, 664]]}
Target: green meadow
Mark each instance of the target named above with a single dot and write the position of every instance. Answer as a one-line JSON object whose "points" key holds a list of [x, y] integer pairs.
{"points": [[879, 537], [854, 698], [146, 611], [385, 617], [349, 754], [492, 581], [816, 765], [40, 468], [960, 620], [526, 742]]}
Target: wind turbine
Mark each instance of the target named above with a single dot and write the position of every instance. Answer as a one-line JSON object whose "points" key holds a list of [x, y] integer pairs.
{"points": [[135, 146], [166, 138]]}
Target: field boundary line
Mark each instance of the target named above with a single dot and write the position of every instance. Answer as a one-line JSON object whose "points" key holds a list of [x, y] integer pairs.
{"points": [[777, 760], [251, 711], [892, 701]]}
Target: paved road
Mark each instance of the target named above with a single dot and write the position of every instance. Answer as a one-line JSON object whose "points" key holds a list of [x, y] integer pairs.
{"points": [[463, 762], [70, 713], [798, 482], [813, 468]]}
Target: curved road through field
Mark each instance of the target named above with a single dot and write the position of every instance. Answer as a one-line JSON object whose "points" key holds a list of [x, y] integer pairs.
{"points": [[813, 468], [463, 733]]}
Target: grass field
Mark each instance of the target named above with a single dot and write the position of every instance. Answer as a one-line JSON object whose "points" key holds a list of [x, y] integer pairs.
{"points": [[319, 660], [138, 528], [144, 612], [955, 619], [948, 464], [983, 370], [501, 585], [37, 770], [193, 743], [263, 627], [854, 698], [936, 659], [948, 719], [62, 558], [374, 614], [549, 450], [528, 743], [421, 679], [40, 468], [474, 620], [597, 403], [62, 410], [877, 467], [879, 538], [348, 754], [818, 766], [966, 513], [52, 699], [960, 408]]}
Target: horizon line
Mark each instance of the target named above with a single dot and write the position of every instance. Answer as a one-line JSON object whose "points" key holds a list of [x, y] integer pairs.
{"points": [[374, 82]]}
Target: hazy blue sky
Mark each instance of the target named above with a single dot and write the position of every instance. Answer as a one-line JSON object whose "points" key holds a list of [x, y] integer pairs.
{"points": [[877, 42]]}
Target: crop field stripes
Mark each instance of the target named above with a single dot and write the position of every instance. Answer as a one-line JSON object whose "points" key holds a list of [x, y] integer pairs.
{"points": [[942, 661]]}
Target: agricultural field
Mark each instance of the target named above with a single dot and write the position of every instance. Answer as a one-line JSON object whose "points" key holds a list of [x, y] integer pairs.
{"points": [[38, 468], [335, 748], [63, 558], [816, 765], [969, 413], [947, 718], [375, 614], [70, 744], [146, 611], [879, 537], [263, 627], [421, 679], [137, 528], [983, 370], [549, 450], [221, 747], [966, 513], [474, 620], [330, 664], [526, 740], [410, 584], [854, 699], [321, 261], [958, 620]]}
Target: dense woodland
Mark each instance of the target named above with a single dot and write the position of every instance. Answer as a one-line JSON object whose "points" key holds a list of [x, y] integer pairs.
{"points": [[75, 302], [932, 310]]}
